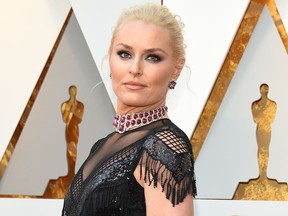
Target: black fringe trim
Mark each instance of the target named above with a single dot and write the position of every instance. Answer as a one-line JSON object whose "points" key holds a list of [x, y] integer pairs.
{"points": [[112, 196], [157, 173]]}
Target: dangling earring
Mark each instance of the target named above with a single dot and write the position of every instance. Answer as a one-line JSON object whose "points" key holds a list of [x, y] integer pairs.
{"points": [[110, 75], [172, 84]]}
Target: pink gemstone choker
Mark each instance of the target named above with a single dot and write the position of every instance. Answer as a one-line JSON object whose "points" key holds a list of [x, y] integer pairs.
{"points": [[124, 122]]}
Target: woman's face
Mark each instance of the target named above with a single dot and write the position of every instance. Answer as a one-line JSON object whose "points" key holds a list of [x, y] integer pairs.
{"points": [[142, 65]]}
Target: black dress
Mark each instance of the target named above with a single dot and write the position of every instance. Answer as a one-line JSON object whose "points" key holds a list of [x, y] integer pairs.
{"points": [[105, 184]]}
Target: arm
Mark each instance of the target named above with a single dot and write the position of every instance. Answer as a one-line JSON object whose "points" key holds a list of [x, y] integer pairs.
{"points": [[167, 176], [157, 204]]}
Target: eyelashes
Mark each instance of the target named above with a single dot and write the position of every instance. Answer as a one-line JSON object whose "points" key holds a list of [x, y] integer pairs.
{"points": [[153, 58], [125, 55]]}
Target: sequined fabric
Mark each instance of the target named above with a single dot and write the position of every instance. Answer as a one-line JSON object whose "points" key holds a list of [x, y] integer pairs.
{"points": [[105, 183]]}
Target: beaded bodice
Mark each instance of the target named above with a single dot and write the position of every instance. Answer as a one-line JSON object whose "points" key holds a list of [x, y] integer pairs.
{"points": [[105, 183]]}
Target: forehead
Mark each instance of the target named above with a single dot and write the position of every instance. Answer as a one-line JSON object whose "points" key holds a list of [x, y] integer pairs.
{"points": [[142, 33]]}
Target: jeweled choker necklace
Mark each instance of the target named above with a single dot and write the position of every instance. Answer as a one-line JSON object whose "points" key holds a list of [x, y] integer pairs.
{"points": [[124, 122]]}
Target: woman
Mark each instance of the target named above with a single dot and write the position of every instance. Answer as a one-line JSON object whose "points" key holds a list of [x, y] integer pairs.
{"points": [[146, 166]]}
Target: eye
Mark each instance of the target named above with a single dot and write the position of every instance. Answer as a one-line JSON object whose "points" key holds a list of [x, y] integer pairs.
{"points": [[124, 54], [153, 58]]}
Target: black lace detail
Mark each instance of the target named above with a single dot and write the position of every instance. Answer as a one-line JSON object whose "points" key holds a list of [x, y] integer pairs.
{"points": [[105, 184], [167, 161]]}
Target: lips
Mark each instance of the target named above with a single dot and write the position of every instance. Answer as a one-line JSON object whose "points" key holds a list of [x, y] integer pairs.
{"points": [[134, 85]]}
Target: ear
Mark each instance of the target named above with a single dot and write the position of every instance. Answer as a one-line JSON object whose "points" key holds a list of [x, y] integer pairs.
{"points": [[178, 68]]}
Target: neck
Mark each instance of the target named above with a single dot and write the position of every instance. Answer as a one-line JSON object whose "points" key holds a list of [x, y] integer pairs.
{"points": [[126, 109], [125, 122]]}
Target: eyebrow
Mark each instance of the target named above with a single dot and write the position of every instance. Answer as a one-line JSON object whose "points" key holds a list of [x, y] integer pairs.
{"points": [[147, 50]]}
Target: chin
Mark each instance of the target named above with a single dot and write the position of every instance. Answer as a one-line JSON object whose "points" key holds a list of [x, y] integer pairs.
{"points": [[135, 103]]}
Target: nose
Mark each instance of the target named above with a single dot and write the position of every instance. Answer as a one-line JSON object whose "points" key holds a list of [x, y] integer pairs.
{"points": [[136, 68]]}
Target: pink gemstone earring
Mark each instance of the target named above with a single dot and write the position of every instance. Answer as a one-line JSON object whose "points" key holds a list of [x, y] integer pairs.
{"points": [[172, 84]]}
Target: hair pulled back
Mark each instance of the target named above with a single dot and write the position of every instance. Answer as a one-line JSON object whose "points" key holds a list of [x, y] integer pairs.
{"points": [[158, 15]]}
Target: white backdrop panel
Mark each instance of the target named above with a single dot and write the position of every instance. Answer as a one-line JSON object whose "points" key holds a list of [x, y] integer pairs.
{"points": [[210, 27], [28, 32], [42, 145], [229, 154]]}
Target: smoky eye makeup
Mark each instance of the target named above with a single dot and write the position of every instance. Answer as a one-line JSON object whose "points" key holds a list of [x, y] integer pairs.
{"points": [[154, 58], [124, 54]]}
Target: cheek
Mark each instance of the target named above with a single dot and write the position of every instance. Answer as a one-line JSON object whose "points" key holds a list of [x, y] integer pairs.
{"points": [[117, 73], [113, 72], [162, 76], [160, 84], [117, 67], [114, 69], [112, 65]]}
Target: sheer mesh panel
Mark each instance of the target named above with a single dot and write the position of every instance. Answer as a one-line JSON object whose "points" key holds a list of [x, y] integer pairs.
{"points": [[106, 182], [77, 187], [176, 143], [106, 150]]}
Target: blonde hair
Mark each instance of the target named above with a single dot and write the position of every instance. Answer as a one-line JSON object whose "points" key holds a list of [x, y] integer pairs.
{"points": [[158, 15]]}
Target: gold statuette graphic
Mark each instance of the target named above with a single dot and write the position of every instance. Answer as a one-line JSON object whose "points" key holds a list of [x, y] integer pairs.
{"points": [[262, 188], [72, 113]]}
